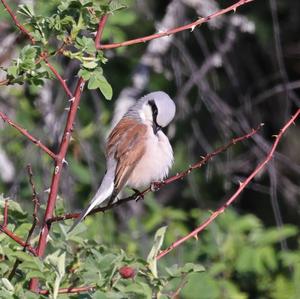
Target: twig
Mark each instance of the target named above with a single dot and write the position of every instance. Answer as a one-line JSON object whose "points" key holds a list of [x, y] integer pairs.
{"points": [[17, 23], [17, 239], [190, 26], [4, 82], [158, 185], [5, 213], [242, 186], [36, 204], [26, 134], [70, 290], [60, 79], [101, 26]]}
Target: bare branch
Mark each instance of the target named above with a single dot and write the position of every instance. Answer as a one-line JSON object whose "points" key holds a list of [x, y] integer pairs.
{"points": [[17, 23], [158, 185], [24, 132], [17, 239], [190, 26], [60, 79], [101, 26], [70, 290], [36, 204], [242, 186]]}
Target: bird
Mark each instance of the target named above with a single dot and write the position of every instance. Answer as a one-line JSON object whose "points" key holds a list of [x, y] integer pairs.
{"points": [[137, 150]]}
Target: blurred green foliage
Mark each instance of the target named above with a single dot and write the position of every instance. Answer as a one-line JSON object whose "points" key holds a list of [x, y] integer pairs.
{"points": [[236, 257]]}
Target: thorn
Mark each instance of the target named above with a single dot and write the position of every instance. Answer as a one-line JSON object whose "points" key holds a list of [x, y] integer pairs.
{"points": [[155, 186], [262, 124], [47, 190], [196, 237], [202, 157], [64, 161], [193, 28], [240, 183], [67, 109], [234, 10], [56, 170], [72, 99], [81, 86], [275, 136]]}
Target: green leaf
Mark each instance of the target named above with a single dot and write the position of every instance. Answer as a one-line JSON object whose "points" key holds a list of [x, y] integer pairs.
{"points": [[105, 88], [97, 80], [158, 241], [26, 10], [89, 64]]}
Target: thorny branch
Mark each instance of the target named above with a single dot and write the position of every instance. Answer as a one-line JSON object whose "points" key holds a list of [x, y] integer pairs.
{"points": [[36, 204], [158, 185], [17, 23], [24, 132], [59, 78], [5, 213], [17, 239], [242, 186], [190, 26]]}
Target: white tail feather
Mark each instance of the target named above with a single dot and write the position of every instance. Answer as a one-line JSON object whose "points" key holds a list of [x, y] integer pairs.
{"points": [[105, 191]]}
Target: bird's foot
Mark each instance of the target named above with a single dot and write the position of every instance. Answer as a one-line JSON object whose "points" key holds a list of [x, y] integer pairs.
{"points": [[155, 186], [138, 194]]}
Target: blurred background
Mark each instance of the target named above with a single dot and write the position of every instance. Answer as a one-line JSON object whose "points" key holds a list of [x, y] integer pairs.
{"points": [[226, 76]]}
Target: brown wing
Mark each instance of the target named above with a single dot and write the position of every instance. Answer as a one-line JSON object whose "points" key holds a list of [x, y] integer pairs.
{"points": [[127, 143]]}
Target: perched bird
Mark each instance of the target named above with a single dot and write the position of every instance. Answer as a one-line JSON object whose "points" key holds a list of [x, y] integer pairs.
{"points": [[137, 151]]}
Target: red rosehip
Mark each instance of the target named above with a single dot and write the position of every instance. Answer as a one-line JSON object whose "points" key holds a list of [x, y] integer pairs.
{"points": [[127, 272]]}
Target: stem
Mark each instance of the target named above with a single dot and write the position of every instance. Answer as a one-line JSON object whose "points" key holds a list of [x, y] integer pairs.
{"points": [[17, 23], [242, 186], [70, 290], [60, 79], [26, 134], [57, 174], [17, 239], [101, 26], [36, 204]]}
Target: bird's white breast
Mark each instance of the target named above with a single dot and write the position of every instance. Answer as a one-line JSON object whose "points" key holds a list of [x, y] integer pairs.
{"points": [[155, 163]]}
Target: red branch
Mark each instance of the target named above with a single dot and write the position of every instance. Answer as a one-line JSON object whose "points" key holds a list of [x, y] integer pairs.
{"points": [[57, 174], [17, 239], [242, 186], [60, 79], [36, 204], [5, 213], [101, 26], [158, 185], [26, 134], [190, 26], [17, 23], [70, 290]]}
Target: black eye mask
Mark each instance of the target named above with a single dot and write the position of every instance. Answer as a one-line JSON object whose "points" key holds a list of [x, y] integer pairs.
{"points": [[154, 109]]}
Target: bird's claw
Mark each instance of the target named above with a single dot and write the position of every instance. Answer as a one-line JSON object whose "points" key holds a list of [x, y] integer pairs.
{"points": [[138, 194], [155, 186]]}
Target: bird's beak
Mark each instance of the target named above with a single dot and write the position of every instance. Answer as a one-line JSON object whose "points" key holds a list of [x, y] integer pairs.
{"points": [[156, 127]]}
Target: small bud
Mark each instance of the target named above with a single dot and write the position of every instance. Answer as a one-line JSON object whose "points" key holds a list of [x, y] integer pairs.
{"points": [[127, 272]]}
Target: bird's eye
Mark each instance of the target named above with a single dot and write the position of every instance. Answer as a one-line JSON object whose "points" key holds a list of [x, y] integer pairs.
{"points": [[153, 108]]}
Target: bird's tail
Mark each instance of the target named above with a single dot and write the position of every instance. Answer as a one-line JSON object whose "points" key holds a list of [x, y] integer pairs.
{"points": [[105, 190]]}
